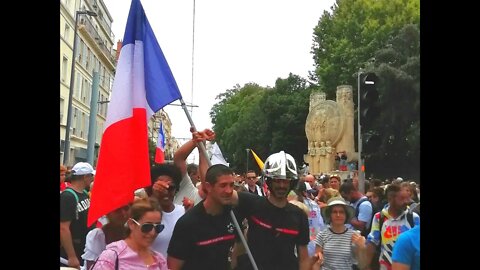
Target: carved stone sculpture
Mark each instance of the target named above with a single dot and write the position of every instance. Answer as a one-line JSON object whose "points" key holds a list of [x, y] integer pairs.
{"points": [[329, 129]]}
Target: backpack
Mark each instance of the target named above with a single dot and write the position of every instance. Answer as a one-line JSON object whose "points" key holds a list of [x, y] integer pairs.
{"points": [[76, 199], [366, 230], [375, 262]]}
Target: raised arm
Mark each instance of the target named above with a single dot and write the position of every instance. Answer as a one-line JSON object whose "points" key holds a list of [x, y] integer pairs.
{"points": [[360, 250], [181, 155], [202, 136], [203, 166]]}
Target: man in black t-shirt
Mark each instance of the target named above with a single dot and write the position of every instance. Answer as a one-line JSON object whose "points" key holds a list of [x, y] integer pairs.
{"points": [[74, 205], [204, 236], [278, 232]]}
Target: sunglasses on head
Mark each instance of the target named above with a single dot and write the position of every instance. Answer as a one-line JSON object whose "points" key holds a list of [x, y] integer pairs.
{"points": [[147, 227]]}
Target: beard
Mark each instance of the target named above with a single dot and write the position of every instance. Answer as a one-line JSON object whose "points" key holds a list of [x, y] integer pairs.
{"points": [[280, 192]]}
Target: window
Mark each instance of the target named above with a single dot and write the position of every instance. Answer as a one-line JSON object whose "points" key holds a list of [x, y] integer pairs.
{"points": [[88, 93], [100, 107], [66, 32], [75, 120], [105, 109], [98, 138], [78, 85], [63, 76], [79, 52], [82, 126], [84, 53], [62, 104], [87, 122], [92, 62], [97, 63], [88, 56], [84, 91]]}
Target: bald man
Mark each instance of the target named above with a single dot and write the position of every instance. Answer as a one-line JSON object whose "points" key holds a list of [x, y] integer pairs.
{"points": [[313, 183]]}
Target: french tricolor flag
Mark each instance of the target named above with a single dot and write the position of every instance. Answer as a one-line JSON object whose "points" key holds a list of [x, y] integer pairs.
{"points": [[160, 150], [143, 85]]}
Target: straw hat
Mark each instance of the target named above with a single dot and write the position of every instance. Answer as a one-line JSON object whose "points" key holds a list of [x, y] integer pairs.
{"points": [[326, 211]]}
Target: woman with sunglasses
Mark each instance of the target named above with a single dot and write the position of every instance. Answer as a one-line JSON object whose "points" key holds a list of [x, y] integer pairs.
{"points": [[135, 251]]}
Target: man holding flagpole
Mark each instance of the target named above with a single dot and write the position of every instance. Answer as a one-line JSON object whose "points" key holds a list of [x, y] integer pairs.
{"points": [[188, 192]]}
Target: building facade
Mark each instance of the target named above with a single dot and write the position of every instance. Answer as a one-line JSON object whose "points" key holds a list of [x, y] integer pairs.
{"points": [[94, 53], [171, 144]]}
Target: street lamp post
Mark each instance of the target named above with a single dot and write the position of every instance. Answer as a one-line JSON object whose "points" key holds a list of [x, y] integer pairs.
{"points": [[92, 122], [66, 149], [370, 95], [361, 178]]}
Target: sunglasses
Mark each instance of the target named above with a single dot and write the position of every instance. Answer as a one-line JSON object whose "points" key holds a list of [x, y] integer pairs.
{"points": [[147, 227]]}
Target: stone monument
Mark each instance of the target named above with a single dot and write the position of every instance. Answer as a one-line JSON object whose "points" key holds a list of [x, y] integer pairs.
{"points": [[329, 129]]}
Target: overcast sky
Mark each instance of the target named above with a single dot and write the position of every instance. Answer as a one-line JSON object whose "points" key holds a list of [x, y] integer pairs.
{"points": [[236, 42]]}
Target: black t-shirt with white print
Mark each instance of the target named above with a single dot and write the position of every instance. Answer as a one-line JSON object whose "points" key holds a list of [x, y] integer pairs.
{"points": [[78, 227]]}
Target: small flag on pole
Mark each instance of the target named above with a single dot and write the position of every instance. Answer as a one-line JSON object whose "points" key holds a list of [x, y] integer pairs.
{"points": [[258, 160], [160, 151], [217, 156], [143, 84]]}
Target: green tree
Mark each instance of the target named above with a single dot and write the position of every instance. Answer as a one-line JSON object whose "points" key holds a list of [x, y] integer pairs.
{"points": [[235, 120], [347, 37], [285, 110], [266, 120], [370, 35], [398, 66]]}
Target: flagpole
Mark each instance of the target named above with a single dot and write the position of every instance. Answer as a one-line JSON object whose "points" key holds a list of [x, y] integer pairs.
{"points": [[203, 151]]}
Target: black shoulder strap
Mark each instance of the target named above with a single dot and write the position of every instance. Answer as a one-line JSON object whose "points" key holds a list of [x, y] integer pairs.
{"points": [[410, 219], [380, 225], [116, 260], [74, 193]]}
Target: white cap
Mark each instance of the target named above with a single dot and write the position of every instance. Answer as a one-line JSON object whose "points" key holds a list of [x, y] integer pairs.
{"points": [[82, 168]]}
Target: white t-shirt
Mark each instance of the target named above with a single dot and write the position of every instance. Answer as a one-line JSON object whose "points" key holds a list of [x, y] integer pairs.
{"points": [[95, 244], [169, 220], [187, 189]]}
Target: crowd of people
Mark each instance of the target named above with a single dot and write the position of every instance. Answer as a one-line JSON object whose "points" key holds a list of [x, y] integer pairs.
{"points": [[289, 220]]}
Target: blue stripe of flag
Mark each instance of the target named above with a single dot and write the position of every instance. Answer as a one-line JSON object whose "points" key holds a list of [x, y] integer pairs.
{"points": [[161, 87]]}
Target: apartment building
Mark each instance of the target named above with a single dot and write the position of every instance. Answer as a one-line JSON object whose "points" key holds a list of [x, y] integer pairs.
{"points": [[94, 53]]}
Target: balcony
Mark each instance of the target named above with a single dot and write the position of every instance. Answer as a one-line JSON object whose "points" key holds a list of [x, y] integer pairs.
{"points": [[87, 26], [94, 6]]}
